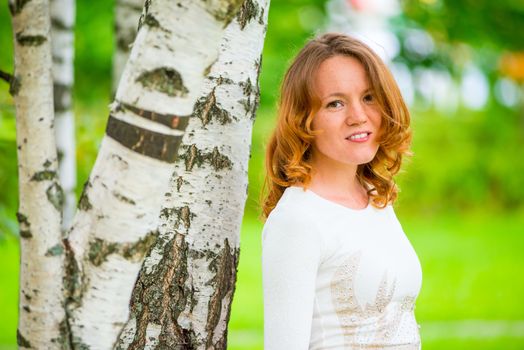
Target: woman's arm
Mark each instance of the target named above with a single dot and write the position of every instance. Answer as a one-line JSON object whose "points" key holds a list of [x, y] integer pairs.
{"points": [[290, 259]]}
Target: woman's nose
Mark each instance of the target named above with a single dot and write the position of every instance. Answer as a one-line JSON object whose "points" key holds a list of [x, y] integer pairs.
{"points": [[356, 114]]}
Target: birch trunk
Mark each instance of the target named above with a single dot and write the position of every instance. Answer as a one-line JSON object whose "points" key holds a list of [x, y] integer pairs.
{"points": [[62, 44], [117, 220], [41, 313], [182, 298], [127, 14]]}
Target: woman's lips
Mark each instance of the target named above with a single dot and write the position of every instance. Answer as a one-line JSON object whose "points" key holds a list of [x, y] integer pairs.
{"points": [[359, 137]]}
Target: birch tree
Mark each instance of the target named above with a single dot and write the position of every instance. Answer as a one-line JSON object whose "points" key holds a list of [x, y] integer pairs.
{"points": [[118, 211], [182, 298], [62, 45], [41, 311]]}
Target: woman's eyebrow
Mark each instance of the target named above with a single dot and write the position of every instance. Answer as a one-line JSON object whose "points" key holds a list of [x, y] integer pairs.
{"points": [[341, 94], [335, 94]]}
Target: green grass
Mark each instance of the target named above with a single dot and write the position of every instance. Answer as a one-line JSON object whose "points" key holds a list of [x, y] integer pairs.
{"points": [[471, 296], [8, 290]]}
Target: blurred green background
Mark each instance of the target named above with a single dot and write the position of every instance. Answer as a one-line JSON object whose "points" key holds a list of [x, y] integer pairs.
{"points": [[461, 200]]}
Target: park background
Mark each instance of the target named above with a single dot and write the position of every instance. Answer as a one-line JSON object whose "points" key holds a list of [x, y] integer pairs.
{"points": [[460, 65]]}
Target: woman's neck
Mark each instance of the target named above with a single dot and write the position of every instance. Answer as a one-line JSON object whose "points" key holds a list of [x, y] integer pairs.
{"points": [[338, 182]]}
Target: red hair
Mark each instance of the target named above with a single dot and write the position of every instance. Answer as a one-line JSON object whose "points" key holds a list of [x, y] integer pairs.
{"points": [[288, 160]]}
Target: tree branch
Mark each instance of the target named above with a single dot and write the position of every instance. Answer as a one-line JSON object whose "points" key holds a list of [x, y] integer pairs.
{"points": [[6, 76]]}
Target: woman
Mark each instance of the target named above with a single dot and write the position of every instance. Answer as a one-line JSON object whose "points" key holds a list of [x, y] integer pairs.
{"points": [[338, 270]]}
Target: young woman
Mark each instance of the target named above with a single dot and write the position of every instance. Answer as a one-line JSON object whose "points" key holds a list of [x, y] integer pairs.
{"points": [[338, 270]]}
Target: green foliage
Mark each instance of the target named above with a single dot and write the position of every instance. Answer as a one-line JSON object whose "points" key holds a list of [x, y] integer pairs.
{"points": [[465, 161], [477, 22]]}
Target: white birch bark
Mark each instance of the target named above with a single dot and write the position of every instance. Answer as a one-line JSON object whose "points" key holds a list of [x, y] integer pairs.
{"points": [[184, 291], [41, 314], [118, 211], [127, 14], [62, 43]]}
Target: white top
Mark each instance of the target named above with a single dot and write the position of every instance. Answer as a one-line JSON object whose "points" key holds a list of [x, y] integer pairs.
{"points": [[336, 277]]}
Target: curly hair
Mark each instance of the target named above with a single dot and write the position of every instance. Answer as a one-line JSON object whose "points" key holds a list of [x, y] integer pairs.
{"points": [[288, 153]]}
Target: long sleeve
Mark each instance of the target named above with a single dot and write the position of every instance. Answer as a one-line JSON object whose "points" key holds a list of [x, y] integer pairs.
{"points": [[291, 251]]}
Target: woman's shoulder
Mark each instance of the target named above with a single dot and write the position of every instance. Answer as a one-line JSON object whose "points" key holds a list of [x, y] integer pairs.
{"points": [[293, 204], [292, 210], [289, 225]]}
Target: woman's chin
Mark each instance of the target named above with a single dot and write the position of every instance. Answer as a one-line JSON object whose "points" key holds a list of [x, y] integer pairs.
{"points": [[364, 159]]}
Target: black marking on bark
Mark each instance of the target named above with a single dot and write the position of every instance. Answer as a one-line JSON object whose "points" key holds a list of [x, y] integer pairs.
{"points": [[261, 19], [179, 182], [165, 80], [44, 175], [64, 337], [255, 105], [191, 157], [247, 87], [47, 163], [193, 298], [151, 21], [222, 81], [207, 70], [30, 40], [56, 23], [183, 216], [120, 159], [61, 97], [21, 340], [258, 65], [84, 203], [26, 308], [123, 198], [16, 6], [160, 296], [207, 108], [25, 226], [79, 345], [15, 86], [73, 280], [135, 252], [224, 11], [124, 38], [58, 60], [55, 195], [248, 11], [250, 91], [146, 142], [55, 250], [224, 266], [170, 120], [219, 161], [145, 11], [59, 154], [195, 156], [100, 249]]}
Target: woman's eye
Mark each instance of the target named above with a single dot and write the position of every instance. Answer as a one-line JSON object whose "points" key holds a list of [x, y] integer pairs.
{"points": [[369, 98], [334, 104]]}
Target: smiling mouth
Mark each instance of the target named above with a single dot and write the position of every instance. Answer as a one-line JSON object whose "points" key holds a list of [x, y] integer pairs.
{"points": [[363, 136]]}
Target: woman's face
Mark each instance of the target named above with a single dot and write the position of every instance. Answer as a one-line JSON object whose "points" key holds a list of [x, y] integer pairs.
{"points": [[349, 114]]}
